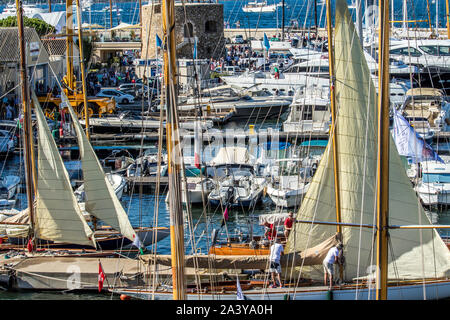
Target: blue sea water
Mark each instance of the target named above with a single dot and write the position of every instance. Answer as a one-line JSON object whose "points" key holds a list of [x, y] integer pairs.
{"points": [[295, 10]]}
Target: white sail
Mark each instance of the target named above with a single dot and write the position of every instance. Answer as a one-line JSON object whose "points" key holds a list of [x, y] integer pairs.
{"points": [[414, 254], [101, 200], [57, 216]]}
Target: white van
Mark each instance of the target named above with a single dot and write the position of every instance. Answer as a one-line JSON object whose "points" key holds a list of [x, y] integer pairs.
{"points": [[422, 53]]}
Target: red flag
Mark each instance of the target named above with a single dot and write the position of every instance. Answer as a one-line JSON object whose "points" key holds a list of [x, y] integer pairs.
{"points": [[225, 214], [101, 277], [30, 245]]}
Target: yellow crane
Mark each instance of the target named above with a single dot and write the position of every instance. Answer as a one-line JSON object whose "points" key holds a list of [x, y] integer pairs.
{"points": [[96, 105]]}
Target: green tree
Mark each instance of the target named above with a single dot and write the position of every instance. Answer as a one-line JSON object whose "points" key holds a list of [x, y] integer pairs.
{"points": [[42, 28]]}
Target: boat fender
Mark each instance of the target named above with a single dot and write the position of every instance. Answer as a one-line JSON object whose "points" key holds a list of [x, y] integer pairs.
{"points": [[214, 236], [124, 297], [12, 280]]}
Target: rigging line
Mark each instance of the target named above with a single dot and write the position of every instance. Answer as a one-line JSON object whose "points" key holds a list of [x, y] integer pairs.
{"points": [[363, 192]]}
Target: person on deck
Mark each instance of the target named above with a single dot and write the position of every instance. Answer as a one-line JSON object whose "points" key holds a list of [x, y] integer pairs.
{"points": [[288, 224], [276, 250], [271, 232], [331, 258]]}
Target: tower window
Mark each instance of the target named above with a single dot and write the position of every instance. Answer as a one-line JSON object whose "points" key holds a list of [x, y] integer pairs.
{"points": [[210, 27]]}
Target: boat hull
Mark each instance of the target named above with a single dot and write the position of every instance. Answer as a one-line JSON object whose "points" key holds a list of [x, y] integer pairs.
{"points": [[430, 291]]}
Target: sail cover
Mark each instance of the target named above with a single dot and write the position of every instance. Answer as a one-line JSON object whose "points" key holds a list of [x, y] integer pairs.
{"points": [[414, 254], [57, 217], [101, 200]]}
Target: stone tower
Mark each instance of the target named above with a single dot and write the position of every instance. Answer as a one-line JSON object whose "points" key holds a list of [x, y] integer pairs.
{"points": [[199, 22]]}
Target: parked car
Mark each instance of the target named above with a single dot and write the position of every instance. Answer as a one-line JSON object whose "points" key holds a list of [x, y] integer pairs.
{"points": [[238, 39], [119, 96]]}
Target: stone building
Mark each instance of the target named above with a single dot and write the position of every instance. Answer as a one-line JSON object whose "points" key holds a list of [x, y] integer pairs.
{"points": [[37, 60], [195, 22]]}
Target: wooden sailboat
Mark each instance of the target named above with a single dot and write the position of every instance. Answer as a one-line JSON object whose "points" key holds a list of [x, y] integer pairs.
{"points": [[57, 220], [417, 265]]}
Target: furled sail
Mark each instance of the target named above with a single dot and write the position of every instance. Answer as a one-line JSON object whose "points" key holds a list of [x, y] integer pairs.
{"points": [[101, 200], [57, 217], [414, 254]]}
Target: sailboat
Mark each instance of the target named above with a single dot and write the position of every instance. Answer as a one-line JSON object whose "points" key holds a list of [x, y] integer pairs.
{"points": [[60, 225], [56, 218], [418, 265]]}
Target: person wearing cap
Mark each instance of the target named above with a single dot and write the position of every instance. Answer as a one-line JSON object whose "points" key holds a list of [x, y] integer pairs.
{"points": [[329, 261]]}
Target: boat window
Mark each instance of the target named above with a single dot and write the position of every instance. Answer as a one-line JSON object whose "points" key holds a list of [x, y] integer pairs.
{"points": [[413, 52], [436, 178], [433, 50], [444, 50]]}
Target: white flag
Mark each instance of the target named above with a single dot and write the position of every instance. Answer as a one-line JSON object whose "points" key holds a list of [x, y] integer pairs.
{"points": [[409, 143]]}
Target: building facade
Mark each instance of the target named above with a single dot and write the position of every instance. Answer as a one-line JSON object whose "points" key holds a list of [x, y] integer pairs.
{"points": [[198, 30]]}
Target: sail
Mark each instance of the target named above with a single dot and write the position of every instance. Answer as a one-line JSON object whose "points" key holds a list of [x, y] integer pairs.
{"points": [[101, 200], [414, 254], [57, 216]]}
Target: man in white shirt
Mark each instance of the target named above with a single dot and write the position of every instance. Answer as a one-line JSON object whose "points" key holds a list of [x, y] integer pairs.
{"points": [[276, 250], [329, 261]]}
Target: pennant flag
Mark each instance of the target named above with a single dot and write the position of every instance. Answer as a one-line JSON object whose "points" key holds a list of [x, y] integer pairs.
{"points": [[137, 243], [266, 42], [30, 245], [101, 276], [158, 41], [195, 48], [240, 295], [409, 143], [225, 217]]}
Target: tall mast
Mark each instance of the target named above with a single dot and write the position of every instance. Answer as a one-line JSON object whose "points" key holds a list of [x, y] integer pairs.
{"points": [[69, 47], [282, 21], [333, 120], [315, 17], [173, 158], [447, 18], [28, 141], [83, 77], [110, 15], [49, 5], [383, 154]]}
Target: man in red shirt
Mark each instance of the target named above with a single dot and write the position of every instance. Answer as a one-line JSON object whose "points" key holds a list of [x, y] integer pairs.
{"points": [[288, 224], [271, 232]]}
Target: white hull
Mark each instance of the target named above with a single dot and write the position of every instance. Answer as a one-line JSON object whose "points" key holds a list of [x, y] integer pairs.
{"points": [[287, 198], [430, 291], [307, 126]]}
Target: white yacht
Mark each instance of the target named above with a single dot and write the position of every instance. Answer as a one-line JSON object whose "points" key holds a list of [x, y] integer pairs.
{"points": [[434, 186], [289, 183], [421, 52], [116, 180], [28, 9], [9, 186], [198, 190], [260, 6], [427, 110], [309, 112]]}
